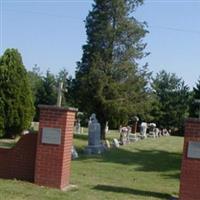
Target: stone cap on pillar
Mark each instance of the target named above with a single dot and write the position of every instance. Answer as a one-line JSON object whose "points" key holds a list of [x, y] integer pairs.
{"points": [[58, 108], [189, 121], [192, 127], [192, 120]]}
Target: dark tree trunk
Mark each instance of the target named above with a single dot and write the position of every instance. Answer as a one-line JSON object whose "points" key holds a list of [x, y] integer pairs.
{"points": [[103, 132], [134, 127]]}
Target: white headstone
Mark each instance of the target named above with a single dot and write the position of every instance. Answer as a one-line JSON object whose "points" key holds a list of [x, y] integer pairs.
{"points": [[143, 129], [78, 127], [107, 144], [115, 143], [74, 153]]}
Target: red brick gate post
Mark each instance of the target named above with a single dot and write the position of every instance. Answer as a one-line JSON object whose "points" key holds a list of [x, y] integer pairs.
{"points": [[190, 170], [53, 155]]}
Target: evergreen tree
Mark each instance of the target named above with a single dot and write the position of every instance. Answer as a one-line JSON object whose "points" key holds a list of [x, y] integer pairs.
{"points": [[173, 99], [70, 94], [195, 106], [35, 79], [16, 103], [47, 92], [36, 82], [108, 80]]}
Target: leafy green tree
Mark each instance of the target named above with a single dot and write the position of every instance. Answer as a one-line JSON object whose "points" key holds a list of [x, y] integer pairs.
{"points": [[108, 80], [173, 98], [16, 103], [195, 106]]}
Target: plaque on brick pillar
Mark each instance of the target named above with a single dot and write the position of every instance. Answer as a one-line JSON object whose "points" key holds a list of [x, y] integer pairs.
{"points": [[53, 156], [193, 149], [190, 169], [51, 135]]}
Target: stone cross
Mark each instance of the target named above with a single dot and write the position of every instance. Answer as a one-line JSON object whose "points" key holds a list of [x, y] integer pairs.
{"points": [[60, 91]]}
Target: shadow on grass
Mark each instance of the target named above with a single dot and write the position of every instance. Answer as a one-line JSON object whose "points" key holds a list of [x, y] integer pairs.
{"points": [[142, 160], [125, 190], [170, 176], [145, 160]]}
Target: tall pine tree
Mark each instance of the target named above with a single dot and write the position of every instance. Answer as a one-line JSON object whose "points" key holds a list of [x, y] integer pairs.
{"points": [[194, 106], [108, 80], [16, 104], [173, 99]]}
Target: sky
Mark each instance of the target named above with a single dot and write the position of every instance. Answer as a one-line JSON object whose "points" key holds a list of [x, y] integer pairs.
{"points": [[51, 34]]}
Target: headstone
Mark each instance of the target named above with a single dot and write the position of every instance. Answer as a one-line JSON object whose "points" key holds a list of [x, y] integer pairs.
{"points": [[152, 130], [143, 130], [134, 126], [107, 144], [165, 132], [133, 137], [106, 128], [74, 153], [78, 127], [94, 133], [124, 135], [25, 132], [157, 132], [115, 143], [89, 121]]}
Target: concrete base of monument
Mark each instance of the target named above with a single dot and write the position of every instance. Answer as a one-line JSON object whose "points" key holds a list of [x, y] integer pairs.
{"points": [[94, 149], [70, 187]]}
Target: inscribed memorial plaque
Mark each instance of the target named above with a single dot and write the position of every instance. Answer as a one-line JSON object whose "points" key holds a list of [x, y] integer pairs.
{"points": [[51, 136], [193, 150]]}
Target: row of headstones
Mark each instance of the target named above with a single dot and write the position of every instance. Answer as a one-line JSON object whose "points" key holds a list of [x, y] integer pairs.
{"points": [[79, 130], [95, 145], [126, 136], [153, 130]]}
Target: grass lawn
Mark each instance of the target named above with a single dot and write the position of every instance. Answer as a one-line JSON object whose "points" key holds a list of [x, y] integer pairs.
{"points": [[148, 169], [8, 143]]}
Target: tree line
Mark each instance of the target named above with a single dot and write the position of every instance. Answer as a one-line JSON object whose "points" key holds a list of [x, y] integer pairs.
{"points": [[108, 79], [165, 99]]}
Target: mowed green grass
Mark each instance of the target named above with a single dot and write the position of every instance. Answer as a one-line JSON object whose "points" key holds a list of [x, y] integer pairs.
{"points": [[148, 169]]}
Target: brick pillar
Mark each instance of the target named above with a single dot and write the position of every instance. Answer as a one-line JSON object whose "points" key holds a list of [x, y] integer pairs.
{"points": [[53, 155], [190, 169]]}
